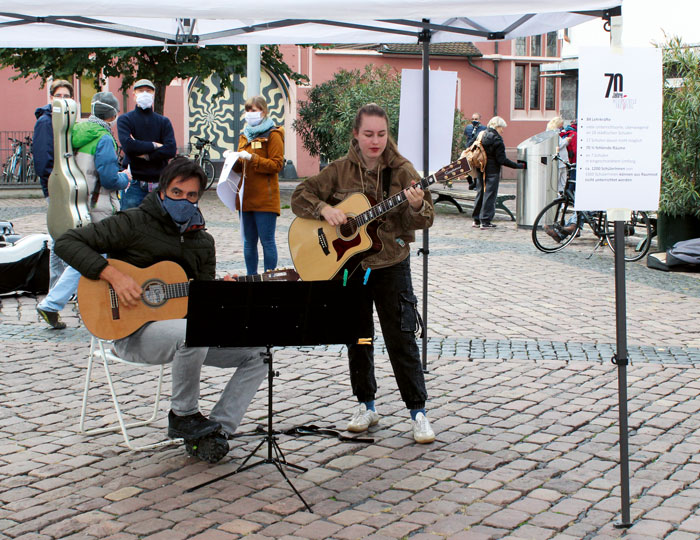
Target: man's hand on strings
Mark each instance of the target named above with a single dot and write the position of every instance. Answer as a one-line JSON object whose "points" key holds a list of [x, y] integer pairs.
{"points": [[127, 290]]}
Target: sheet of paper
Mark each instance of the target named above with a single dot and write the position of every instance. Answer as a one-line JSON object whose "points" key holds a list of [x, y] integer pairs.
{"points": [[227, 188], [619, 129]]}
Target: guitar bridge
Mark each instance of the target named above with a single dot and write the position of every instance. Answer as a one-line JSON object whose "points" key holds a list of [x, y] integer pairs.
{"points": [[323, 241]]}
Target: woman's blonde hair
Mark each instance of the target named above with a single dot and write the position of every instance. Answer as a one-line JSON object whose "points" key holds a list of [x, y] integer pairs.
{"points": [[496, 122], [555, 123], [256, 101]]}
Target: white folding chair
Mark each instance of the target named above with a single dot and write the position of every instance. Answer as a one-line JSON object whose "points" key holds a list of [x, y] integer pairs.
{"points": [[99, 350]]}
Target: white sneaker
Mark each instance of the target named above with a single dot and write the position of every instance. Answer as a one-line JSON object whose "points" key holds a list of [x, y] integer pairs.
{"points": [[363, 419], [422, 432]]}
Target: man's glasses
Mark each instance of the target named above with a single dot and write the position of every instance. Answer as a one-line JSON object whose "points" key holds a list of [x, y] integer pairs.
{"points": [[61, 96]]}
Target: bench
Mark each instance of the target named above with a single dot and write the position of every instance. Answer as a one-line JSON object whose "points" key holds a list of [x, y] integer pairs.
{"points": [[452, 195]]}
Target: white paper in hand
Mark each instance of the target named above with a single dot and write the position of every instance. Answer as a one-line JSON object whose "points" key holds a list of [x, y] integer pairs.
{"points": [[227, 187]]}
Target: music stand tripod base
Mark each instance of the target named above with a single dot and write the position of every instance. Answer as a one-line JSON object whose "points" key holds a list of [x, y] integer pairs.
{"points": [[301, 313]]}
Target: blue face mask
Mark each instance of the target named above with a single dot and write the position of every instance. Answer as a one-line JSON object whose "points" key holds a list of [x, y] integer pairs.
{"points": [[181, 210]]}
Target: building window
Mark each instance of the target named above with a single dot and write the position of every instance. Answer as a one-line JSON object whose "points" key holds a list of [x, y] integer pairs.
{"points": [[519, 92], [549, 98], [536, 46], [552, 44], [535, 87], [521, 46]]}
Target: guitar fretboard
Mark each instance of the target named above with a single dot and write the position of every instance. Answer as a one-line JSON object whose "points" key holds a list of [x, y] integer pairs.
{"points": [[387, 204]]}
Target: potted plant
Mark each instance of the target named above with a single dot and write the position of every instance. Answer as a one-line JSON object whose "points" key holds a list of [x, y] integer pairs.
{"points": [[679, 205]]}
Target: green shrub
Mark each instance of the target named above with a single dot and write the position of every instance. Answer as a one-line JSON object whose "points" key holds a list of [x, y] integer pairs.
{"points": [[680, 193]]}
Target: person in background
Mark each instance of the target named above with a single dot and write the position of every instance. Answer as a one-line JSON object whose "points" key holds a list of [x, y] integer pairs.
{"points": [[557, 124], [148, 141], [487, 182], [42, 151], [374, 167], [471, 132], [96, 154], [261, 147]]}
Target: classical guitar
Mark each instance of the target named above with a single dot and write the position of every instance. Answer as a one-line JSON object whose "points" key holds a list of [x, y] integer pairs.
{"points": [[320, 251], [165, 288]]}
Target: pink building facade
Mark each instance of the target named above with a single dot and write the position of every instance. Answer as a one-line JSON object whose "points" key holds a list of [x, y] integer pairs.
{"points": [[500, 78]]}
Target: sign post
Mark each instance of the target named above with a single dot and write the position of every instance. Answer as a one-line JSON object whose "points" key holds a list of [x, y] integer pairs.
{"points": [[619, 170]]}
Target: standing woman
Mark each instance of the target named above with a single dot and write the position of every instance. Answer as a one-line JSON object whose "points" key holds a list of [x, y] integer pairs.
{"points": [[373, 161], [262, 157], [487, 182]]}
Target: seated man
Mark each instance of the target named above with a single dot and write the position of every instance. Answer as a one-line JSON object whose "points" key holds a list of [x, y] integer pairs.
{"points": [[169, 226]]}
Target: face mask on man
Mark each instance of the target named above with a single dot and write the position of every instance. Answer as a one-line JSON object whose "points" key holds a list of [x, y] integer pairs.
{"points": [[181, 210], [253, 118], [475, 122], [144, 100]]}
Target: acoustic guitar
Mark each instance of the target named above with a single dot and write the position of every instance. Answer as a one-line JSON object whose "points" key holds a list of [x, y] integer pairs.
{"points": [[68, 189], [165, 289], [320, 250]]}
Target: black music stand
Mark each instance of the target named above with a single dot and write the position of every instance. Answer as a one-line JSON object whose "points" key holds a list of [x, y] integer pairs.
{"points": [[272, 314]]}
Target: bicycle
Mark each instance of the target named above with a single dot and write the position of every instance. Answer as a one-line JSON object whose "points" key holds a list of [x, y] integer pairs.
{"points": [[202, 159], [19, 167], [557, 225]]}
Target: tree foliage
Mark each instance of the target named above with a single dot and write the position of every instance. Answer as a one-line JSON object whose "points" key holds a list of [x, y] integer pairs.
{"points": [[158, 64], [325, 119], [680, 192]]}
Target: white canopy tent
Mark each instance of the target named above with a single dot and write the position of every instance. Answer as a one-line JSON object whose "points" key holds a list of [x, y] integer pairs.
{"points": [[102, 23]]}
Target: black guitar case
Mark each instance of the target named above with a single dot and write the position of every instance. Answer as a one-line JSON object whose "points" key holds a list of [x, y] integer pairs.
{"points": [[68, 189]]}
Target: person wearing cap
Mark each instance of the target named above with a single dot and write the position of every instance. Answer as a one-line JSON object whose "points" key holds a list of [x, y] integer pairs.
{"points": [[95, 152], [148, 141]]}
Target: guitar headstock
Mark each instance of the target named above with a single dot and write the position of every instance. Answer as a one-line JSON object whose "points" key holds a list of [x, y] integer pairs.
{"points": [[454, 171], [281, 274]]}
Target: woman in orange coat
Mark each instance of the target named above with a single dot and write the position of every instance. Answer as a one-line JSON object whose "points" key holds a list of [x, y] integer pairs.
{"points": [[261, 147]]}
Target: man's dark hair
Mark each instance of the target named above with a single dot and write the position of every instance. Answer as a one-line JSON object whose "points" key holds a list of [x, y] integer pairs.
{"points": [[182, 167]]}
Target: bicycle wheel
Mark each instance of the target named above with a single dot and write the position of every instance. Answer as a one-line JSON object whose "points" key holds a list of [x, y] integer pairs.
{"points": [[209, 170], [637, 240], [549, 232]]}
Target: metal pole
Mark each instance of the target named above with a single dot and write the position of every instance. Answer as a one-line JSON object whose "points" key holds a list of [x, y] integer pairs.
{"points": [[425, 250], [253, 70], [621, 360]]}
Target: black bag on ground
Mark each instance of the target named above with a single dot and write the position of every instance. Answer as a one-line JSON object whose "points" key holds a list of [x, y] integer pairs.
{"points": [[684, 256], [24, 262]]}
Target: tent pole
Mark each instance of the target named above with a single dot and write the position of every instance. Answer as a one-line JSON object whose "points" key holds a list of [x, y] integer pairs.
{"points": [[253, 70], [424, 39]]}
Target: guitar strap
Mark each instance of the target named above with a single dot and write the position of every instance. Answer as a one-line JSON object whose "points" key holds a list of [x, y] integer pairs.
{"points": [[386, 182], [95, 193]]}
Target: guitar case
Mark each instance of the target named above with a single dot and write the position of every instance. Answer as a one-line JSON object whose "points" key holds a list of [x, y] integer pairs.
{"points": [[68, 189], [24, 261]]}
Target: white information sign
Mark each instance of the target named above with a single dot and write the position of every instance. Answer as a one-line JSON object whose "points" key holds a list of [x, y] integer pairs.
{"points": [[443, 92], [619, 129]]}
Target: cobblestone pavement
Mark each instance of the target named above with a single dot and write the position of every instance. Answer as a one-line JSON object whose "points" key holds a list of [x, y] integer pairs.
{"points": [[523, 397]]}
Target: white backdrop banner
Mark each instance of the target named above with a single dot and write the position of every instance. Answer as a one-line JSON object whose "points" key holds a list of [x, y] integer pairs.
{"points": [[443, 93], [619, 129]]}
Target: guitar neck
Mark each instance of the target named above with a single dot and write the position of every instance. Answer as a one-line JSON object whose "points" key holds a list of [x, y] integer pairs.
{"points": [[383, 207]]}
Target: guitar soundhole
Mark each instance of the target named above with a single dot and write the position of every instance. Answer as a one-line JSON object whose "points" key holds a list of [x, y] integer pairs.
{"points": [[348, 229], [154, 293]]}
